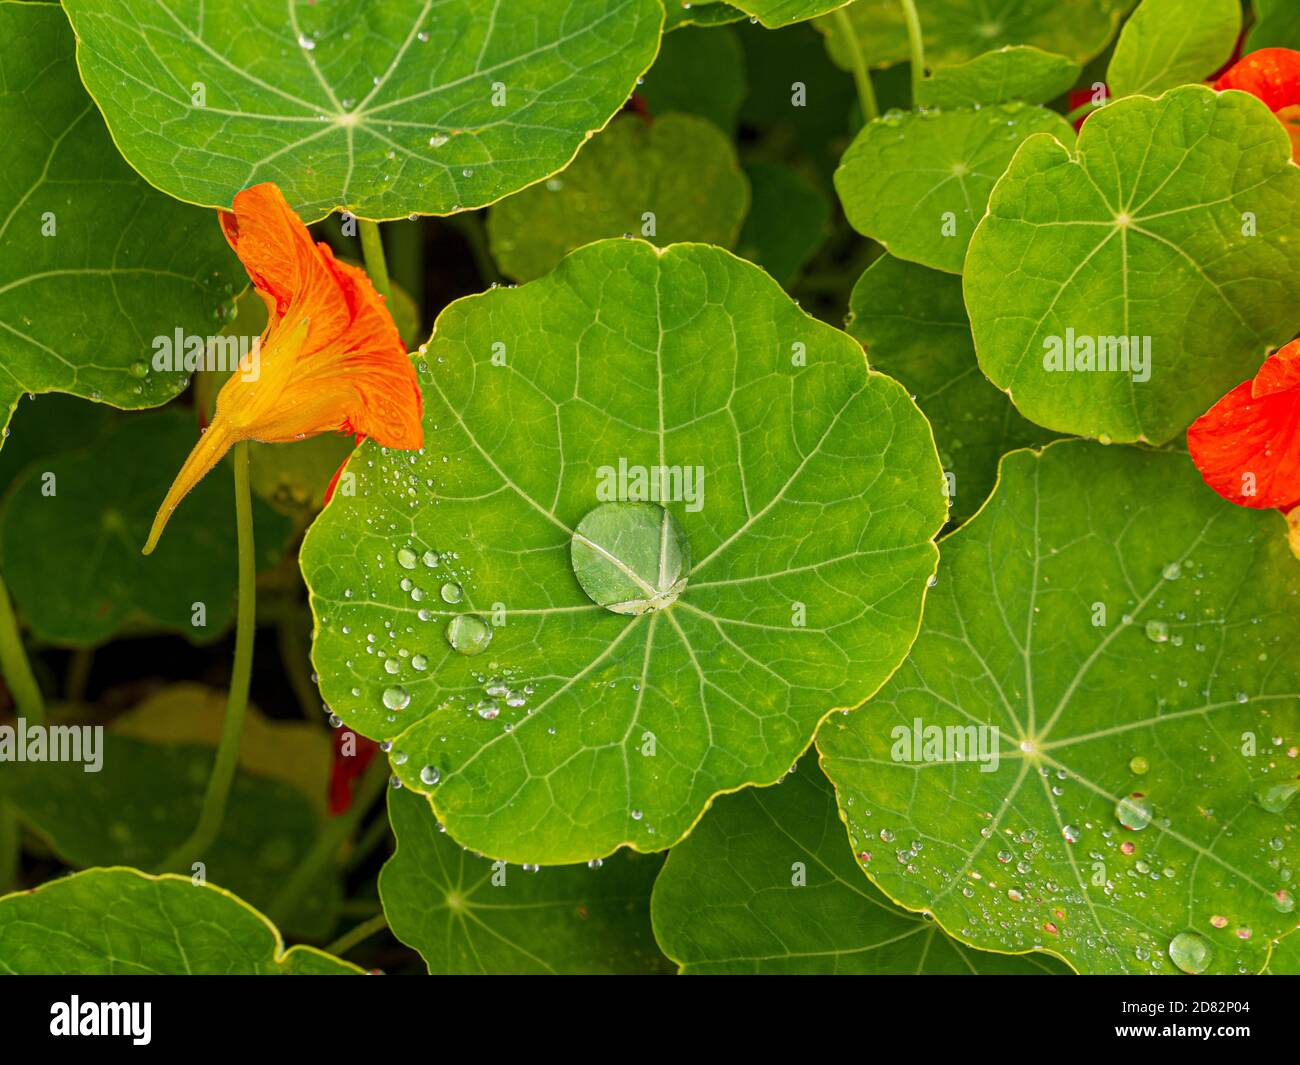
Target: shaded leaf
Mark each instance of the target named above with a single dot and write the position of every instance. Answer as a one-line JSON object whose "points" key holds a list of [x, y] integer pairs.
{"points": [[1167, 43], [1014, 72], [788, 222], [699, 72]]}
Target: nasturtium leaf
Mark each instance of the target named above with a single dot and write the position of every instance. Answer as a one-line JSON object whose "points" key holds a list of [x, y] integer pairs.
{"points": [[918, 181], [469, 915], [1277, 25], [699, 72], [450, 618], [72, 527], [93, 262], [382, 107], [1082, 751], [681, 13], [674, 179], [766, 884], [773, 14], [788, 221], [956, 31], [129, 923], [1120, 290], [1015, 72], [143, 800], [1167, 43], [1285, 958], [295, 752], [913, 323], [51, 425]]}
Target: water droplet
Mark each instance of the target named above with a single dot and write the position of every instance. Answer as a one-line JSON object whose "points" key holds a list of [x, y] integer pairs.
{"points": [[430, 775], [1138, 765], [406, 558], [1191, 952], [1277, 797], [1171, 572], [452, 592], [631, 558], [1157, 631], [306, 42], [419, 662], [595, 863], [1283, 901], [1134, 811], [1070, 833], [396, 697], [469, 634]]}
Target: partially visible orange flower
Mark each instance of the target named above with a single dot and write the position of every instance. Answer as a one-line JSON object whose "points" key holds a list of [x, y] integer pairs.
{"points": [[1247, 446], [331, 359], [1272, 75]]}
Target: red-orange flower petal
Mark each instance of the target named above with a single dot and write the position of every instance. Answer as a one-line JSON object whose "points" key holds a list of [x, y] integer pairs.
{"points": [[1247, 446], [1271, 75], [330, 360]]}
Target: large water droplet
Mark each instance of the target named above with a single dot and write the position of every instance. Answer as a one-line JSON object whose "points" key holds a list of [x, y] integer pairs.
{"points": [[1277, 797], [396, 697], [1191, 952], [631, 558], [452, 592], [430, 775], [1157, 631], [406, 558], [469, 634], [1134, 811]]}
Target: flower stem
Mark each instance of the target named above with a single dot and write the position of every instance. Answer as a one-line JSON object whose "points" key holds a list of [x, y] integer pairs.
{"points": [[222, 777], [917, 43], [15, 666], [325, 849], [359, 934], [372, 247], [861, 76]]}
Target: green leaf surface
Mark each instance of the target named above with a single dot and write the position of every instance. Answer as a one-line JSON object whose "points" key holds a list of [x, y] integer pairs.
{"points": [[1014, 72], [574, 729], [913, 323], [93, 262], [383, 107], [51, 425], [1176, 222], [1127, 646], [766, 884], [956, 31], [1277, 25], [788, 220], [918, 182], [1167, 43], [129, 923], [1285, 959], [73, 525], [698, 72], [682, 13], [773, 14], [678, 174], [469, 915], [143, 801]]}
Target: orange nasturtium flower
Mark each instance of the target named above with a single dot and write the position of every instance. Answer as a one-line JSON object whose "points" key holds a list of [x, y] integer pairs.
{"points": [[1272, 75], [331, 358], [1247, 446]]}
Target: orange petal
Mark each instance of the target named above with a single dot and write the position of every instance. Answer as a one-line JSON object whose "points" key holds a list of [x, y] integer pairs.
{"points": [[1247, 446], [1270, 74]]}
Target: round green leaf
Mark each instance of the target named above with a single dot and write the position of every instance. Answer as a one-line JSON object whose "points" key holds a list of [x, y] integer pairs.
{"points": [[767, 884], [956, 31], [73, 525], [913, 324], [1168, 43], [469, 915], [93, 262], [808, 490], [918, 182], [699, 72], [129, 923], [1168, 245], [1015, 72], [1082, 752], [788, 222], [380, 107], [672, 180]]}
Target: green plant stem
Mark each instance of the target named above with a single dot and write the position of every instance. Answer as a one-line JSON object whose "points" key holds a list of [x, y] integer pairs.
{"points": [[917, 43], [222, 777], [336, 831], [15, 666], [1083, 109], [372, 247], [861, 76], [78, 675], [362, 932]]}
